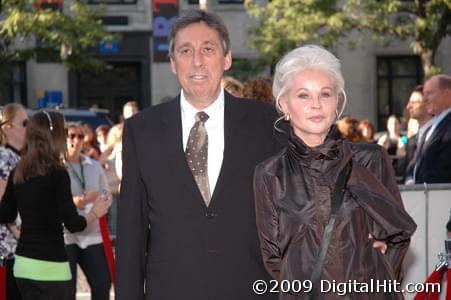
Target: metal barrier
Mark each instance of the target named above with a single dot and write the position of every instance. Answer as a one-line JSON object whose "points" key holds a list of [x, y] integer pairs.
{"points": [[429, 205]]}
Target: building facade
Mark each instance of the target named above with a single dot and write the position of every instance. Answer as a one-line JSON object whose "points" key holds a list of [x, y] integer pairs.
{"points": [[378, 79]]}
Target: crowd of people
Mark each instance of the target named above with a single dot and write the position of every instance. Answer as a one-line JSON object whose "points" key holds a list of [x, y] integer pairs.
{"points": [[400, 144], [225, 184], [57, 159]]}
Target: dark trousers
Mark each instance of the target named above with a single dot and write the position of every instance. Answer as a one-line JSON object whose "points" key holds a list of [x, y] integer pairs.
{"points": [[92, 261], [44, 290], [12, 290]]}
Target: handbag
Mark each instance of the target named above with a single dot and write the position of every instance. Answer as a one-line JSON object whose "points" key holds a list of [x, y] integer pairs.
{"points": [[336, 201]]}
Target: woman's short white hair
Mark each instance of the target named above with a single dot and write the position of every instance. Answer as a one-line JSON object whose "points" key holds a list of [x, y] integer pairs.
{"points": [[307, 58]]}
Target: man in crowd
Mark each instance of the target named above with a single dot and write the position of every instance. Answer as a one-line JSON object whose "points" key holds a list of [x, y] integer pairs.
{"points": [[417, 110], [186, 224], [433, 163]]}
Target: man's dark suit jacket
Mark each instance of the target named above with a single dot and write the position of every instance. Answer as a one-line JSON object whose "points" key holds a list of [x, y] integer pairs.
{"points": [[434, 164], [167, 239]]}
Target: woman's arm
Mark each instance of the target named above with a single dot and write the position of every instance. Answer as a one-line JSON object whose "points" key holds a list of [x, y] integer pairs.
{"points": [[8, 205], [383, 203], [267, 224], [2, 187]]}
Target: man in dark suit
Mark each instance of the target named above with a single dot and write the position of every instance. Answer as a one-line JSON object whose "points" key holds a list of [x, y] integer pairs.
{"points": [[417, 111], [186, 219], [434, 157]]}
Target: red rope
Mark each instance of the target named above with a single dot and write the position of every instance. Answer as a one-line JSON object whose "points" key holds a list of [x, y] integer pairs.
{"points": [[107, 247], [434, 277], [3, 283], [448, 285]]}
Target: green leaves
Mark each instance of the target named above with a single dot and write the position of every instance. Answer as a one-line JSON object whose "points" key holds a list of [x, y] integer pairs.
{"points": [[25, 30], [281, 25]]}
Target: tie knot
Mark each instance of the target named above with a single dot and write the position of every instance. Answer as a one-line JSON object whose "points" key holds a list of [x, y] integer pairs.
{"points": [[202, 117]]}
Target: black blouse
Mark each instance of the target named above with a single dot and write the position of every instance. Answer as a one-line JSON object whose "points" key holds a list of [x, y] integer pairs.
{"points": [[44, 204]]}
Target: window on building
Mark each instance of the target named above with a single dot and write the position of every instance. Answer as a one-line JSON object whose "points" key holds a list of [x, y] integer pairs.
{"points": [[396, 78], [111, 1], [14, 86]]}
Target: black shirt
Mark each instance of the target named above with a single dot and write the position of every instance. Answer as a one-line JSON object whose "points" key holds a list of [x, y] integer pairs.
{"points": [[44, 204]]}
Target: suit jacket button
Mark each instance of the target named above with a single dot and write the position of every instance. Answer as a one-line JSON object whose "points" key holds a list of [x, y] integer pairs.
{"points": [[211, 214]]}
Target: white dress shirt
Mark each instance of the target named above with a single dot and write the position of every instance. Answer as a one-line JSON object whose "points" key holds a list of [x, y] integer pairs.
{"points": [[215, 130]]}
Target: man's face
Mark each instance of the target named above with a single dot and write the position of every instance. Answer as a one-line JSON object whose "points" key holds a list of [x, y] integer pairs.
{"points": [[416, 106], [435, 99], [199, 63]]}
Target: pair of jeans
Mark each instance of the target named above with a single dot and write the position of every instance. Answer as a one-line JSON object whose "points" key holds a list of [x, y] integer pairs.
{"points": [[93, 262], [44, 290]]}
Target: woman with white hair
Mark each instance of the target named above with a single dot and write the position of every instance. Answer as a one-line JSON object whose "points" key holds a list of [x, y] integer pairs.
{"points": [[324, 204]]}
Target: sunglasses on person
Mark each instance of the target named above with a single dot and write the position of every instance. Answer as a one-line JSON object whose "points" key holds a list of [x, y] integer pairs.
{"points": [[23, 123], [72, 136]]}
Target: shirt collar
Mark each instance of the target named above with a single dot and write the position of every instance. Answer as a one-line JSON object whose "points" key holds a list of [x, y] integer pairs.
{"points": [[86, 160], [213, 111], [438, 118]]}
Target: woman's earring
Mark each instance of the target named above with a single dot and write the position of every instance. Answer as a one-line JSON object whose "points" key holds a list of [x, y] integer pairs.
{"points": [[287, 117], [336, 113]]}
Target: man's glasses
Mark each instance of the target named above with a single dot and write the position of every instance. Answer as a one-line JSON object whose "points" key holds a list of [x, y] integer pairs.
{"points": [[72, 136]]}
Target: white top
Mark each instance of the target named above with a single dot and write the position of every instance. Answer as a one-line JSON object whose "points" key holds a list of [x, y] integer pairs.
{"points": [[215, 130], [95, 180]]}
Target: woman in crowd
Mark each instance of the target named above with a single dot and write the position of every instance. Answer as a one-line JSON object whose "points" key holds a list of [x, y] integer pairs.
{"points": [[258, 88], [392, 141], [366, 129], [85, 247], [91, 147], [12, 139], [39, 190], [348, 128], [322, 202], [396, 145]]}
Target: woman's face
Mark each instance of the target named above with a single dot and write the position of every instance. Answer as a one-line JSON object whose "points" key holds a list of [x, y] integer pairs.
{"points": [[16, 129], [75, 138], [393, 126], [311, 101]]}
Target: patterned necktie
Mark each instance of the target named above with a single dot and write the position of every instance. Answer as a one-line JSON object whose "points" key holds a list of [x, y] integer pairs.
{"points": [[197, 155]]}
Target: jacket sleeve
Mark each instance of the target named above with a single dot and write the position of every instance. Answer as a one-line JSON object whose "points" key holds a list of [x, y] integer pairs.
{"points": [[8, 204], [267, 224], [66, 208], [133, 225], [390, 221]]}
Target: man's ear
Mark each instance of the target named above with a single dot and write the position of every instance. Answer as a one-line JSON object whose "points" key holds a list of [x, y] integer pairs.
{"points": [[228, 61], [173, 67]]}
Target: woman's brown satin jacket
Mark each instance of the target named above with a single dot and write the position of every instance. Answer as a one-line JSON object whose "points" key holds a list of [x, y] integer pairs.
{"points": [[292, 202]]}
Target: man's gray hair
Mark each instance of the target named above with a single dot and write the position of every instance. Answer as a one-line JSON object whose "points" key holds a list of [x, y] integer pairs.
{"points": [[196, 16], [307, 58]]}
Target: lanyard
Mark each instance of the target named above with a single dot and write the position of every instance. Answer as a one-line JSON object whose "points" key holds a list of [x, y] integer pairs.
{"points": [[80, 178]]}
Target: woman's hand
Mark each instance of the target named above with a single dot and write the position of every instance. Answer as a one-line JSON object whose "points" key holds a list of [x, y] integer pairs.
{"points": [[101, 206], [81, 200], [379, 245]]}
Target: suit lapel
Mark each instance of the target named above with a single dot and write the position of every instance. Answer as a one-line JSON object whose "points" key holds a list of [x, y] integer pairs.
{"points": [[436, 135], [172, 132], [438, 132], [233, 140]]}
